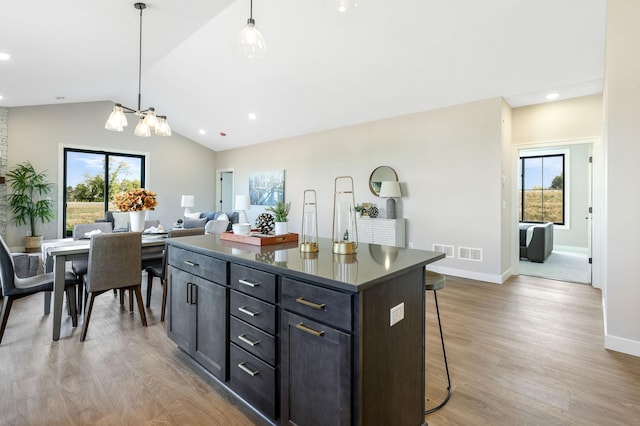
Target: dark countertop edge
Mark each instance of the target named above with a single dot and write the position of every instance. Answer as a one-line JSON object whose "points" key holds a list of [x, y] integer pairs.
{"points": [[341, 285]]}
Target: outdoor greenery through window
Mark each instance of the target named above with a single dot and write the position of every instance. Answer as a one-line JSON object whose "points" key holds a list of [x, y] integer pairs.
{"points": [[541, 189], [91, 181]]}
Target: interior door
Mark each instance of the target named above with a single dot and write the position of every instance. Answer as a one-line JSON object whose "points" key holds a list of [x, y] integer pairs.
{"points": [[225, 189]]}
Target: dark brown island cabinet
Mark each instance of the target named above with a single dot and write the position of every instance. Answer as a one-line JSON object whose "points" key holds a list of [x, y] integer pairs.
{"points": [[304, 338]]}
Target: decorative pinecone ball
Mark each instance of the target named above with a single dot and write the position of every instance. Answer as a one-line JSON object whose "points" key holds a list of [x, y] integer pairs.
{"points": [[373, 212], [265, 223]]}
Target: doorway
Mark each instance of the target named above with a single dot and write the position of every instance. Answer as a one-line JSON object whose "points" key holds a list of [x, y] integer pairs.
{"points": [[224, 189], [570, 259]]}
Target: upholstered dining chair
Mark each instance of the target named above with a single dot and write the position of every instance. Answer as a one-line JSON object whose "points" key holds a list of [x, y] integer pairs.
{"points": [[14, 287], [159, 270], [114, 263], [79, 267]]}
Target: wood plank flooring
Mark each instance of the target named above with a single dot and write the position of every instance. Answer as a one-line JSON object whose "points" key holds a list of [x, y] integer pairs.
{"points": [[527, 352]]}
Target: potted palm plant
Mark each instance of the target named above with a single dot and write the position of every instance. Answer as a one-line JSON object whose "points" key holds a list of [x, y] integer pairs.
{"points": [[280, 211], [29, 202]]}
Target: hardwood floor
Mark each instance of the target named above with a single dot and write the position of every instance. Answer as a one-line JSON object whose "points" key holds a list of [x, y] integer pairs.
{"points": [[527, 352]]}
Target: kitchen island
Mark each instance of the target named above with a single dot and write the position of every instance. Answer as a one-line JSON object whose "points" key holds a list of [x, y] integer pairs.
{"points": [[304, 338]]}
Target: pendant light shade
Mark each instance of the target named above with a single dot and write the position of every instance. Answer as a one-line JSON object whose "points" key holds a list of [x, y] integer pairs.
{"points": [[251, 43], [149, 121], [343, 6]]}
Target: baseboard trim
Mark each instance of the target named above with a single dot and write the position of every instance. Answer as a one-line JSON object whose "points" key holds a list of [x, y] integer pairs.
{"points": [[478, 276], [619, 344]]}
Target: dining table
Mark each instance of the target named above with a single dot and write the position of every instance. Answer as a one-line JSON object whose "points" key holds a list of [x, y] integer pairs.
{"points": [[56, 253]]}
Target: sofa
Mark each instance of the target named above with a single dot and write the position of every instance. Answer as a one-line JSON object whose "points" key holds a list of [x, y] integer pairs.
{"points": [[536, 241], [200, 219]]}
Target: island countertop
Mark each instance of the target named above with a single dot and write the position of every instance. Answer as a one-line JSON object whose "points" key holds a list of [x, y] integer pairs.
{"points": [[372, 262]]}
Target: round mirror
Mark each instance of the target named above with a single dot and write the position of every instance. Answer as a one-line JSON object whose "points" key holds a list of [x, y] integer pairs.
{"points": [[379, 175]]}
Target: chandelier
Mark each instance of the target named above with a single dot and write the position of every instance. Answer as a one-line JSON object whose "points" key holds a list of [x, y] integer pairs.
{"points": [[148, 120], [251, 43]]}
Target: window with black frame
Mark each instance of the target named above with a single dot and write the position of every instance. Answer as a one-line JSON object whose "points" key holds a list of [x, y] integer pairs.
{"points": [[541, 189], [92, 179]]}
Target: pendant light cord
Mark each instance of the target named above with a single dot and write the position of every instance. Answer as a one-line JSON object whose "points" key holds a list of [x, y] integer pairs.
{"points": [[140, 62]]}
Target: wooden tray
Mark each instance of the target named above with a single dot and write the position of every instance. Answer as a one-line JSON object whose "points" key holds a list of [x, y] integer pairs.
{"points": [[258, 239]]}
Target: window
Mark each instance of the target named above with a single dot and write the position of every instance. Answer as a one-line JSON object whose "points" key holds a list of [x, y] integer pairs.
{"points": [[89, 175], [541, 189]]}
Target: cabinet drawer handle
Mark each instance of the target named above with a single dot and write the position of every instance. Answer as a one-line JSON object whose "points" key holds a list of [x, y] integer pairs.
{"points": [[244, 310], [242, 366], [319, 306], [248, 283], [194, 293], [243, 337], [301, 326], [190, 298], [190, 263]]}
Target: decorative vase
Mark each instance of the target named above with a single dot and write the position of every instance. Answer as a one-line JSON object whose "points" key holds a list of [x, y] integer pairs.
{"points": [[136, 221], [281, 228]]}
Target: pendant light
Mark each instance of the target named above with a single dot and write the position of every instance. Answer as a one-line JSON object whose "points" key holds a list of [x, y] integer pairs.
{"points": [[148, 120], [343, 6], [251, 43]]}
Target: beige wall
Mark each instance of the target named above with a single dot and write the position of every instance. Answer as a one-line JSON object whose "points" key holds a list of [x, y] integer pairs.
{"points": [[176, 165], [448, 162], [622, 136]]}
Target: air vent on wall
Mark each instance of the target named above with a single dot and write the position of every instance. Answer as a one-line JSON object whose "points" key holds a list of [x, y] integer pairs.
{"points": [[441, 248], [467, 253]]}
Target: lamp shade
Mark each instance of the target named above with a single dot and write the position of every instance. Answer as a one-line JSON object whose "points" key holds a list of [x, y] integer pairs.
{"points": [[390, 188], [242, 202], [188, 201]]}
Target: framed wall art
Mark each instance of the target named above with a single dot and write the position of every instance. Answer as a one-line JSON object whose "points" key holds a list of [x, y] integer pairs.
{"points": [[266, 188]]}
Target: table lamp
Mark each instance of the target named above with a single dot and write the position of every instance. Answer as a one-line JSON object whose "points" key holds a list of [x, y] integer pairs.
{"points": [[187, 202], [390, 189], [242, 205]]}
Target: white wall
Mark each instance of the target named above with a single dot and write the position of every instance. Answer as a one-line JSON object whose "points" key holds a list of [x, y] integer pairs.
{"points": [[622, 150], [176, 165], [448, 162]]}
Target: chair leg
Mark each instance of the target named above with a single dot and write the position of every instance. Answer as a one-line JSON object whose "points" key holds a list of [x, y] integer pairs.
{"points": [[7, 302], [71, 301], [131, 300], [446, 365], [47, 302], [149, 287], [80, 293], [138, 291], [87, 317], [121, 292], [164, 298]]}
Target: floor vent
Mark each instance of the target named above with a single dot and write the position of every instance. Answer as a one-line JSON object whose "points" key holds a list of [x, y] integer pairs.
{"points": [[467, 253], [441, 248]]}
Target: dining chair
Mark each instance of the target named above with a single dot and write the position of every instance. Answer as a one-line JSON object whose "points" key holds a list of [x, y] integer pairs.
{"points": [[79, 267], [14, 287], [114, 263], [159, 270]]}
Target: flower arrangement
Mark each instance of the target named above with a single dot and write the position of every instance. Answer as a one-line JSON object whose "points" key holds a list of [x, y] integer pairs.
{"points": [[135, 199]]}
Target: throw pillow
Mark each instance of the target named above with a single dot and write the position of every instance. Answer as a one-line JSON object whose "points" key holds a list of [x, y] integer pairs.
{"points": [[121, 220], [209, 215], [195, 215], [224, 217]]}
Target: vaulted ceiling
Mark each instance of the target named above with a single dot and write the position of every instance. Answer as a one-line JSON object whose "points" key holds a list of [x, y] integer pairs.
{"points": [[322, 69]]}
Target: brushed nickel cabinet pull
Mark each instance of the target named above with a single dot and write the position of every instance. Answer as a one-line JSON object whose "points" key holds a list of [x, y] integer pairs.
{"points": [[190, 263], [194, 294], [248, 283], [301, 326], [244, 310], [242, 366], [188, 288], [319, 306], [243, 338]]}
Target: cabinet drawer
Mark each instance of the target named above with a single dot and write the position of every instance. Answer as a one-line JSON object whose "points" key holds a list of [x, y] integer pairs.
{"points": [[328, 306], [255, 312], [253, 340], [259, 284], [254, 380], [199, 264]]}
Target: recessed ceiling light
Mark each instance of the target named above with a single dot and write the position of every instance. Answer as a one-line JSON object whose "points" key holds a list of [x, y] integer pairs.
{"points": [[252, 116], [552, 96], [4, 56], [202, 132]]}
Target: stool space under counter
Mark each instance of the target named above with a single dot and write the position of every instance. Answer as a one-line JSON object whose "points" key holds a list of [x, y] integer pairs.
{"points": [[305, 338]]}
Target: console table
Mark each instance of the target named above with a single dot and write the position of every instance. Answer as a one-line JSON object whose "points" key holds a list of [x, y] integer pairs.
{"points": [[304, 338], [388, 232]]}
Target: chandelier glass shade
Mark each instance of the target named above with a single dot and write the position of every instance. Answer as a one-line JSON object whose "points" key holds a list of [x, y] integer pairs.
{"points": [[251, 43], [148, 120]]}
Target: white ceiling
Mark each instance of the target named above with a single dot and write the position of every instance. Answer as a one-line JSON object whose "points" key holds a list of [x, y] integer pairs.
{"points": [[322, 69]]}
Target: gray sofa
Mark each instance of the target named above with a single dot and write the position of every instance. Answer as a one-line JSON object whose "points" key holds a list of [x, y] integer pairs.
{"points": [[205, 217], [536, 241]]}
